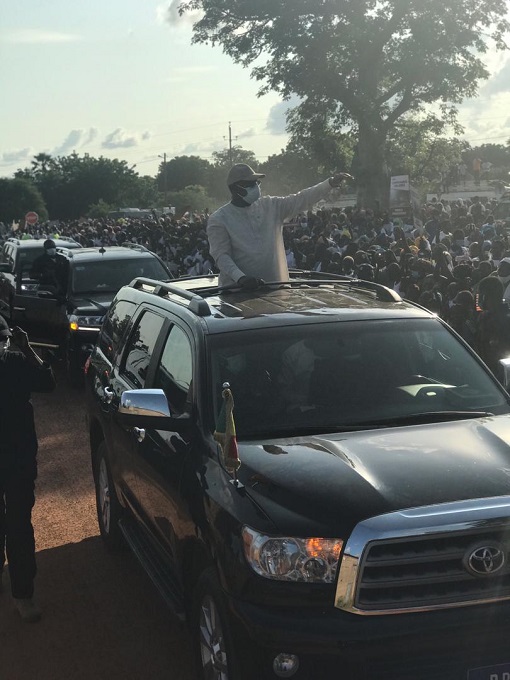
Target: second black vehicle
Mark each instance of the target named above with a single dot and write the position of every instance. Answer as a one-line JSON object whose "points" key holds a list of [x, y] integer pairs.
{"points": [[66, 318]]}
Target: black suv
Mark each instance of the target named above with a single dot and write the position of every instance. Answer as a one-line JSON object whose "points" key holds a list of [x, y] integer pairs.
{"points": [[366, 533], [67, 318]]}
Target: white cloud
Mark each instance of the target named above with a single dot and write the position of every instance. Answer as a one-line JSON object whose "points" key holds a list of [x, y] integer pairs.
{"points": [[12, 157], [75, 139], [122, 139], [246, 134], [277, 119], [37, 36], [168, 13], [187, 70]]}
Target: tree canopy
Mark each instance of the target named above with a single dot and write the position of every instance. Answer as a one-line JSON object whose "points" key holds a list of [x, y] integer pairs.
{"points": [[19, 196], [364, 64], [71, 184]]}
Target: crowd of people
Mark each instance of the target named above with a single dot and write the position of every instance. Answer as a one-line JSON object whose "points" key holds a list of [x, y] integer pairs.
{"points": [[440, 264]]}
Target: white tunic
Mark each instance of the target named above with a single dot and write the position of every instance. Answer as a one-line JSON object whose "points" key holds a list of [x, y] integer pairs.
{"points": [[249, 241]]}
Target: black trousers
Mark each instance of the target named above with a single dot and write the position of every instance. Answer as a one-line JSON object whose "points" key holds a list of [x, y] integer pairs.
{"points": [[16, 531]]}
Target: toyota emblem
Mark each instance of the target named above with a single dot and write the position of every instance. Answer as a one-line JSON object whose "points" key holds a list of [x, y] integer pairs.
{"points": [[485, 560]]}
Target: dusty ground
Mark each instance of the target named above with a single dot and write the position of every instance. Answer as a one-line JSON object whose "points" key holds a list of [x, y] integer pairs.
{"points": [[102, 618]]}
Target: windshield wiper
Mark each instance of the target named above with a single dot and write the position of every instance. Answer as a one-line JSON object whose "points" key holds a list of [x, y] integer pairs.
{"points": [[430, 417], [358, 426]]}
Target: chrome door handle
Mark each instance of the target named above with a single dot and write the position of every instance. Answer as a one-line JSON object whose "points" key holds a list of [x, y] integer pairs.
{"points": [[108, 395], [139, 433]]}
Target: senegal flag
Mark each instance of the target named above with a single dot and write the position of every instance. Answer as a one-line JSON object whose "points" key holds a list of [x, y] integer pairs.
{"points": [[225, 432]]}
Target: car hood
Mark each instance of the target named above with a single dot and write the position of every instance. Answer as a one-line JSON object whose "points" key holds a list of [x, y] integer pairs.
{"points": [[325, 485], [96, 304]]}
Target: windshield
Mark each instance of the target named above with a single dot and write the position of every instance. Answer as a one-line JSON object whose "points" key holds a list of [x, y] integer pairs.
{"points": [[345, 375], [108, 276]]}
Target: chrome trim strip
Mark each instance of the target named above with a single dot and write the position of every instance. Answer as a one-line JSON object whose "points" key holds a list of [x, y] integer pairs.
{"points": [[481, 514]]}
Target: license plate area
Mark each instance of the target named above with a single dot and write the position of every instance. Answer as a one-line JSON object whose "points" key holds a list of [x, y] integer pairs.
{"points": [[499, 672]]}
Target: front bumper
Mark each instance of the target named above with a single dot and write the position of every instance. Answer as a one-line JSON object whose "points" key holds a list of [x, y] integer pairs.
{"points": [[443, 645]]}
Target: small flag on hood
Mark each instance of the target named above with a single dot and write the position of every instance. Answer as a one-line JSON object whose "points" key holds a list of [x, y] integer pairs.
{"points": [[225, 432]]}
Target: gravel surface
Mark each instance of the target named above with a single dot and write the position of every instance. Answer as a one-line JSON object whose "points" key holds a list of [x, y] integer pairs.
{"points": [[102, 618]]}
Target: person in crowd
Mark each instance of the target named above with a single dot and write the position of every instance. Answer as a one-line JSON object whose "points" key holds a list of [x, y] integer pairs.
{"points": [[493, 341], [503, 274], [246, 235], [21, 372], [44, 267], [462, 316]]}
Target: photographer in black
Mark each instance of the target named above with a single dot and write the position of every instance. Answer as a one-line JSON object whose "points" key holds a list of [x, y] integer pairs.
{"points": [[21, 372]]}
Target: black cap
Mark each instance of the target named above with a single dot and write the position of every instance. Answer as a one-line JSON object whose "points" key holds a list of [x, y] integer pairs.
{"points": [[49, 244], [4, 329]]}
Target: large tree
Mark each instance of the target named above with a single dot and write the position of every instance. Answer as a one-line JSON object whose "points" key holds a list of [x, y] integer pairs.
{"points": [[17, 197], [71, 184], [361, 63]]}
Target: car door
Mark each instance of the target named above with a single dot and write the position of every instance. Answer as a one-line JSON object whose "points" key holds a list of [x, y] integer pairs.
{"points": [[163, 455], [38, 310], [7, 281], [132, 372]]}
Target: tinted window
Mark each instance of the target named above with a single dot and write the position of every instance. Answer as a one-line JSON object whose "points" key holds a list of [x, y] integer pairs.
{"points": [[140, 348], [108, 276], [340, 374], [114, 327], [175, 371]]}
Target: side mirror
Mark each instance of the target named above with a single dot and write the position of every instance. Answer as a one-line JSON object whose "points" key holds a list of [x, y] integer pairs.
{"points": [[5, 268], [149, 409], [504, 376]]}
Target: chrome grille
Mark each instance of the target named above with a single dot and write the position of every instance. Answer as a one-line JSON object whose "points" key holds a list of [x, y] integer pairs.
{"points": [[434, 557], [428, 572]]}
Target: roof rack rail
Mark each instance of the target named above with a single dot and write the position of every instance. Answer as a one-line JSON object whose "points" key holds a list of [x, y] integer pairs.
{"points": [[383, 293], [196, 303], [63, 250], [135, 246]]}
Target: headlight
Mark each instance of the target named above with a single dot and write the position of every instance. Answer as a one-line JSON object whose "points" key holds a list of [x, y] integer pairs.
{"points": [[84, 322], [312, 560]]}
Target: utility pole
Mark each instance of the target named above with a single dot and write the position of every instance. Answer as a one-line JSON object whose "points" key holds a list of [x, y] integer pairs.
{"points": [[230, 142], [230, 154], [165, 179]]}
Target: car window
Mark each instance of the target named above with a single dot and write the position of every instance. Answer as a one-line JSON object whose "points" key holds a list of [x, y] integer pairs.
{"points": [[335, 374], [141, 347], [114, 326], [175, 370], [108, 276]]}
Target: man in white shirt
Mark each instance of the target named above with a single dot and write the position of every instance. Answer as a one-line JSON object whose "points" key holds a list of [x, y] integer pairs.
{"points": [[246, 235]]}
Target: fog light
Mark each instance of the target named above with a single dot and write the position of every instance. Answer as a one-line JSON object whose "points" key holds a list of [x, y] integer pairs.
{"points": [[285, 665]]}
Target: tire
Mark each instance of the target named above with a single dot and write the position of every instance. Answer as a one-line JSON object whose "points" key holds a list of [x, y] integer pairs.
{"points": [[217, 656], [109, 510]]}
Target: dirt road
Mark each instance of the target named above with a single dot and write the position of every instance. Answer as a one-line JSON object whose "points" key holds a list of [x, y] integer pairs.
{"points": [[103, 619]]}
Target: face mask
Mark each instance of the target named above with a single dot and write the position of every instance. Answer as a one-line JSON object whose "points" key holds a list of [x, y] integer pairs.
{"points": [[252, 194], [51, 252]]}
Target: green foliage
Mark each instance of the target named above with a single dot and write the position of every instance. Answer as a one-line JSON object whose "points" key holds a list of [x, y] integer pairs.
{"points": [[193, 198], [362, 63], [19, 196], [71, 184], [182, 171], [100, 209]]}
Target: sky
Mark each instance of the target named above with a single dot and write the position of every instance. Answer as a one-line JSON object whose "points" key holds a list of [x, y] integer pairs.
{"points": [[121, 79]]}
